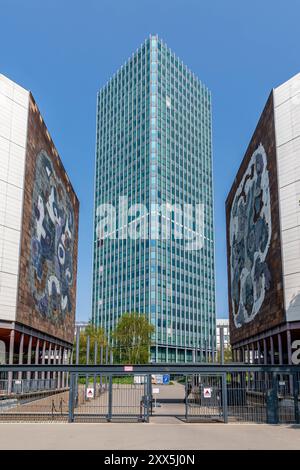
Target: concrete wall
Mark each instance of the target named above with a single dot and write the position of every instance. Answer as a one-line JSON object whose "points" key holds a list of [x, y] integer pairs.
{"points": [[287, 125], [13, 133]]}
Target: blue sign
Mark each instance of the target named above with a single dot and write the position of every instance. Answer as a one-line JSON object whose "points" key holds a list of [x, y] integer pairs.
{"points": [[166, 379]]}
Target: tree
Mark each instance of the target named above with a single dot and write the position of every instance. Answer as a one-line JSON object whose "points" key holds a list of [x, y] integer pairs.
{"points": [[96, 334], [227, 355], [132, 339]]}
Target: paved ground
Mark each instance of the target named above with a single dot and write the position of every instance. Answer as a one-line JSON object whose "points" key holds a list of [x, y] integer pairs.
{"points": [[172, 392], [116, 436]]}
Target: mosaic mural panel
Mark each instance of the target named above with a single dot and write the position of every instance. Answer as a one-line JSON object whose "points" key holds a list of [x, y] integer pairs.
{"points": [[255, 283], [250, 237], [52, 243]]}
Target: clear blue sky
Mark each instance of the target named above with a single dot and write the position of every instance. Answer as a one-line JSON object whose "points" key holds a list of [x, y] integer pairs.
{"points": [[65, 50]]}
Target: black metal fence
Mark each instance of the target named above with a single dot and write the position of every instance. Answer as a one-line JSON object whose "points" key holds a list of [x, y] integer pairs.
{"points": [[196, 393]]}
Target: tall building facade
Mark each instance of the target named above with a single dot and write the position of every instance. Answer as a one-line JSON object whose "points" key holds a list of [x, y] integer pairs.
{"points": [[154, 164], [38, 238], [263, 235], [223, 324]]}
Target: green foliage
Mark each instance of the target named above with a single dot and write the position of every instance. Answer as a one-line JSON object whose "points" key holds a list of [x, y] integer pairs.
{"points": [[132, 339], [227, 355], [96, 334], [128, 380]]}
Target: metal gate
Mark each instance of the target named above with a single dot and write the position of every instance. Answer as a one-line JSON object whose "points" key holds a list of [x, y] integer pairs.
{"points": [[205, 398], [198, 392], [109, 398], [263, 397]]}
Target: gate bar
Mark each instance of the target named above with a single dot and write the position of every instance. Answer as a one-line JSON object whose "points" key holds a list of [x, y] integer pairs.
{"points": [[224, 398], [71, 397], [110, 397], [296, 399], [141, 369]]}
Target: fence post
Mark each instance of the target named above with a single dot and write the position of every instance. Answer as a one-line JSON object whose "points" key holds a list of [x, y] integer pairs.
{"points": [[101, 362], [224, 398], [110, 397], [149, 396], [296, 400], [222, 344], [95, 362], [77, 362], [87, 378], [186, 398], [71, 398], [272, 402]]}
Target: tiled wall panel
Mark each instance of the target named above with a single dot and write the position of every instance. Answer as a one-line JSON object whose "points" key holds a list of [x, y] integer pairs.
{"points": [[13, 131], [287, 123]]}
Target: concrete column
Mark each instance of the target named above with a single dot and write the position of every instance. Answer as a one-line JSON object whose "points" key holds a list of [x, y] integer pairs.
{"points": [[258, 363], [235, 355], [11, 360], [43, 358], [272, 350], [280, 348], [289, 346], [21, 351], [54, 362], [265, 360], [248, 354], [241, 355], [253, 361], [253, 353], [63, 375], [59, 373], [69, 362], [49, 361], [29, 351], [289, 352], [265, 352], [258, 353], [37, 355]]}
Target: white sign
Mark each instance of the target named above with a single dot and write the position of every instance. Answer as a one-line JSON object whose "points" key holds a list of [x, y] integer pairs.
{"points": [[207, 392], [128, 368], [282, 384], [90, 393], [157, 379], [155, 391], [139, 379]]}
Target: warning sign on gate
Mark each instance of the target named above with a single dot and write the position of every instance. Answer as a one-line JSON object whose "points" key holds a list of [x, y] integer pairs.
{"points": [[207, 392], [90, 393]]}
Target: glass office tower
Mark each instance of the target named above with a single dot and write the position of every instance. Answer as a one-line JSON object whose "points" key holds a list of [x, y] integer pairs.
{"points": [[154, 151]]}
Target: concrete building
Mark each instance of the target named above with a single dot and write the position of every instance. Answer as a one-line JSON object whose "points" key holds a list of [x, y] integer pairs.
{"points": [[153, 158], [263, 235], [222, 323], [38, 239]]}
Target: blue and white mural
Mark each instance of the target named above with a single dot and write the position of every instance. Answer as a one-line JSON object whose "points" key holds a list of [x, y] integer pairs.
{"points": [[250, 237], [52, 243]]}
